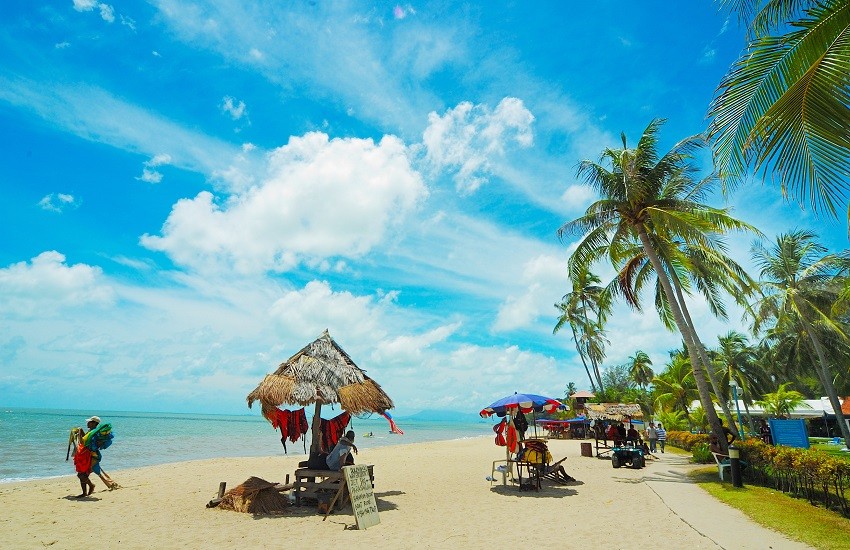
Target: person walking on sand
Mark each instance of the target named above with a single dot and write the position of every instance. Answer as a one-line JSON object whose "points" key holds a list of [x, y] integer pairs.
{"points": [[662, 437], [87, 455], [652, 436]]}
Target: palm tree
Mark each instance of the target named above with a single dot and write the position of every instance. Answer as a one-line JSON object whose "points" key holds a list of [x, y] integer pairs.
{"points": [[800, 285], [709, 269], [784, 106], [585, 309], [650, 200], [782, 401], [675, 388], [735, 360], [640, 368]]}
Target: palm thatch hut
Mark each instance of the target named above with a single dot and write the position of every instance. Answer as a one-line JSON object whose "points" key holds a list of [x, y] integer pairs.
{"points": [[321, 374], [613, 411]]}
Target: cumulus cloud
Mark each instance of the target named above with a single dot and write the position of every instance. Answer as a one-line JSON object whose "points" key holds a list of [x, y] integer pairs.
{"points": [[305, 313], [470, 137], [46, 283], [58, 202], [233, 107], [545, 279], [321, 198], [62, 45]]}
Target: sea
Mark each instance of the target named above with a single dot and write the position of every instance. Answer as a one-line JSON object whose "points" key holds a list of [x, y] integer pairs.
{"points": [[34, 442]]}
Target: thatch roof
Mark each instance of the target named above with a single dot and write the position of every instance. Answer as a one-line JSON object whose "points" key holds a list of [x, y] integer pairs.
{"points": [[613, 411], [321, 372], [255, 496]]}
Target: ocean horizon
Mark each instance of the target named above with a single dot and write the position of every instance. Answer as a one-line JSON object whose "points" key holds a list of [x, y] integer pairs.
{"points": [[34, 442]]}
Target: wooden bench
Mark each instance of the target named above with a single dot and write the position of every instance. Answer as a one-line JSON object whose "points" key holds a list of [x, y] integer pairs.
{"points": [[310, 483], [604, 446]]}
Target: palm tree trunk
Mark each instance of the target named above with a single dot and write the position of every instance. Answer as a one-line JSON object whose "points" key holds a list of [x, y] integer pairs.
{"points": [[827, 382], [593, 362], [703, 356], [686, 332], [583, 361]]}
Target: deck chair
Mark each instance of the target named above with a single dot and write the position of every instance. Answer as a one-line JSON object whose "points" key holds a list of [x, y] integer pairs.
{"points": [[540, 462]]}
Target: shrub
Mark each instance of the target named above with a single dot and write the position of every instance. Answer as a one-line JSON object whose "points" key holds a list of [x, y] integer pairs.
{"points": [[701, 454]]}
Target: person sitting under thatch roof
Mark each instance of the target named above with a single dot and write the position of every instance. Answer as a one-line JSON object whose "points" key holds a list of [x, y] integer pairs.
{"points": [[341, 454]]}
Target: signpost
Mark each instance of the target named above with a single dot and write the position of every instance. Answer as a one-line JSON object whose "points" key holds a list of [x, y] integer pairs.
{"points": [[362, 498], [791, 433]]}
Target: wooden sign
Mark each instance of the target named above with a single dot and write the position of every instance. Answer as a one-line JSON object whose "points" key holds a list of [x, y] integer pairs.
{"points": [[362, 498]]}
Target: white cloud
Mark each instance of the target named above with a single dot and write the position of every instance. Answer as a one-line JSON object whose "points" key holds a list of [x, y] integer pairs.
{"points": [[578, 196], [84, 5], [58, 202], [159, 160], [470, 137], [545, 279], [61, 45], [150, 176], [233, 107], [321, 198], [107, 13], [305, 313], [46, 284], [128, 22]]}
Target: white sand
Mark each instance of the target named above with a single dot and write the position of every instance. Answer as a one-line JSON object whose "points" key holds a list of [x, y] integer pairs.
{"points": [[430, 495]]}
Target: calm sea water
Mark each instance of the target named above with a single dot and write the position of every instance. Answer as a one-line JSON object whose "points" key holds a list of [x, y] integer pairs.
{"points": [[33, 442]]}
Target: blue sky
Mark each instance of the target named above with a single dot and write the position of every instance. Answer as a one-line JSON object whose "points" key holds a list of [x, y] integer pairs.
{"points": [[195, 190]]}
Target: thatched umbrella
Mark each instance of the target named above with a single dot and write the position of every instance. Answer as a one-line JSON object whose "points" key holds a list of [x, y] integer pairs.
{"points": [[321, 373]]}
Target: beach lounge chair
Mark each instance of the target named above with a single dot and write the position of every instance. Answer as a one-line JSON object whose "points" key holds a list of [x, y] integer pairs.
{"points": [[540, 466]]}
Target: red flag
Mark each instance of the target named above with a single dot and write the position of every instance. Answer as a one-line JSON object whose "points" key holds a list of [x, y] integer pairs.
{"points": [[393, 427]]}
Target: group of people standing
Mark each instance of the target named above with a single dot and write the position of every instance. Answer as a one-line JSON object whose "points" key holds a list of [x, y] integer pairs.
{"points": [[656, 435]]}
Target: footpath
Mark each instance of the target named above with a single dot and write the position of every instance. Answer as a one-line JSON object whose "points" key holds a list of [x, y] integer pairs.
{"points": [[725, 526]]}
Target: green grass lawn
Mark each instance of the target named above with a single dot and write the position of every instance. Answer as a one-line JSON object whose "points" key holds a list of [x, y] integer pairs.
{"points": [[820, 444], [775, 510]]}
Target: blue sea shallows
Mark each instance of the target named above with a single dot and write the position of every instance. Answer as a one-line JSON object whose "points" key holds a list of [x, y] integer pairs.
{"points": [[34, 442]]}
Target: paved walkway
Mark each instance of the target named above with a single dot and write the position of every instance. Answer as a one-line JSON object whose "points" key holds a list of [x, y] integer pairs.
{"points": [[725, 526]]}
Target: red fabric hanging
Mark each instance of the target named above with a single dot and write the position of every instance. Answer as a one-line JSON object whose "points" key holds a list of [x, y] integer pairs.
{"points": [[333, 429]]}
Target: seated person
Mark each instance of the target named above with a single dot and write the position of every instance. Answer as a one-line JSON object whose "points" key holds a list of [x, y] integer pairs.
{"points": [[622, 434], [341, 453], [612, 433], [632, 434]]}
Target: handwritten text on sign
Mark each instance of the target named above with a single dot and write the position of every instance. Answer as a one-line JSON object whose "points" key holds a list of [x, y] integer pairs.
{"points": [[362, 498]]}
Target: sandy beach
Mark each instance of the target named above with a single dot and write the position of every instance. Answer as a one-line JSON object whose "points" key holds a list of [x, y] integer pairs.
{"points": [[430, 495]]}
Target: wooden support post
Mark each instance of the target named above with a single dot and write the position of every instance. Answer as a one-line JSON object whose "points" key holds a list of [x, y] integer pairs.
{"points": [[221, 487]]}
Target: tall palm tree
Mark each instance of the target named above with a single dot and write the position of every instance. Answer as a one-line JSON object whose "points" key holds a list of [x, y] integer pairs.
{"points": [[585, 309], [782, 401], [649, 199], [800, 285], [708, 269], [640, 368], [784, 106]]}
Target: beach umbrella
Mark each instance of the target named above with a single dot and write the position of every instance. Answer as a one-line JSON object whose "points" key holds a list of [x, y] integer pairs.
{"points": [[321, 373], [525, 402], [511, 405]]}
